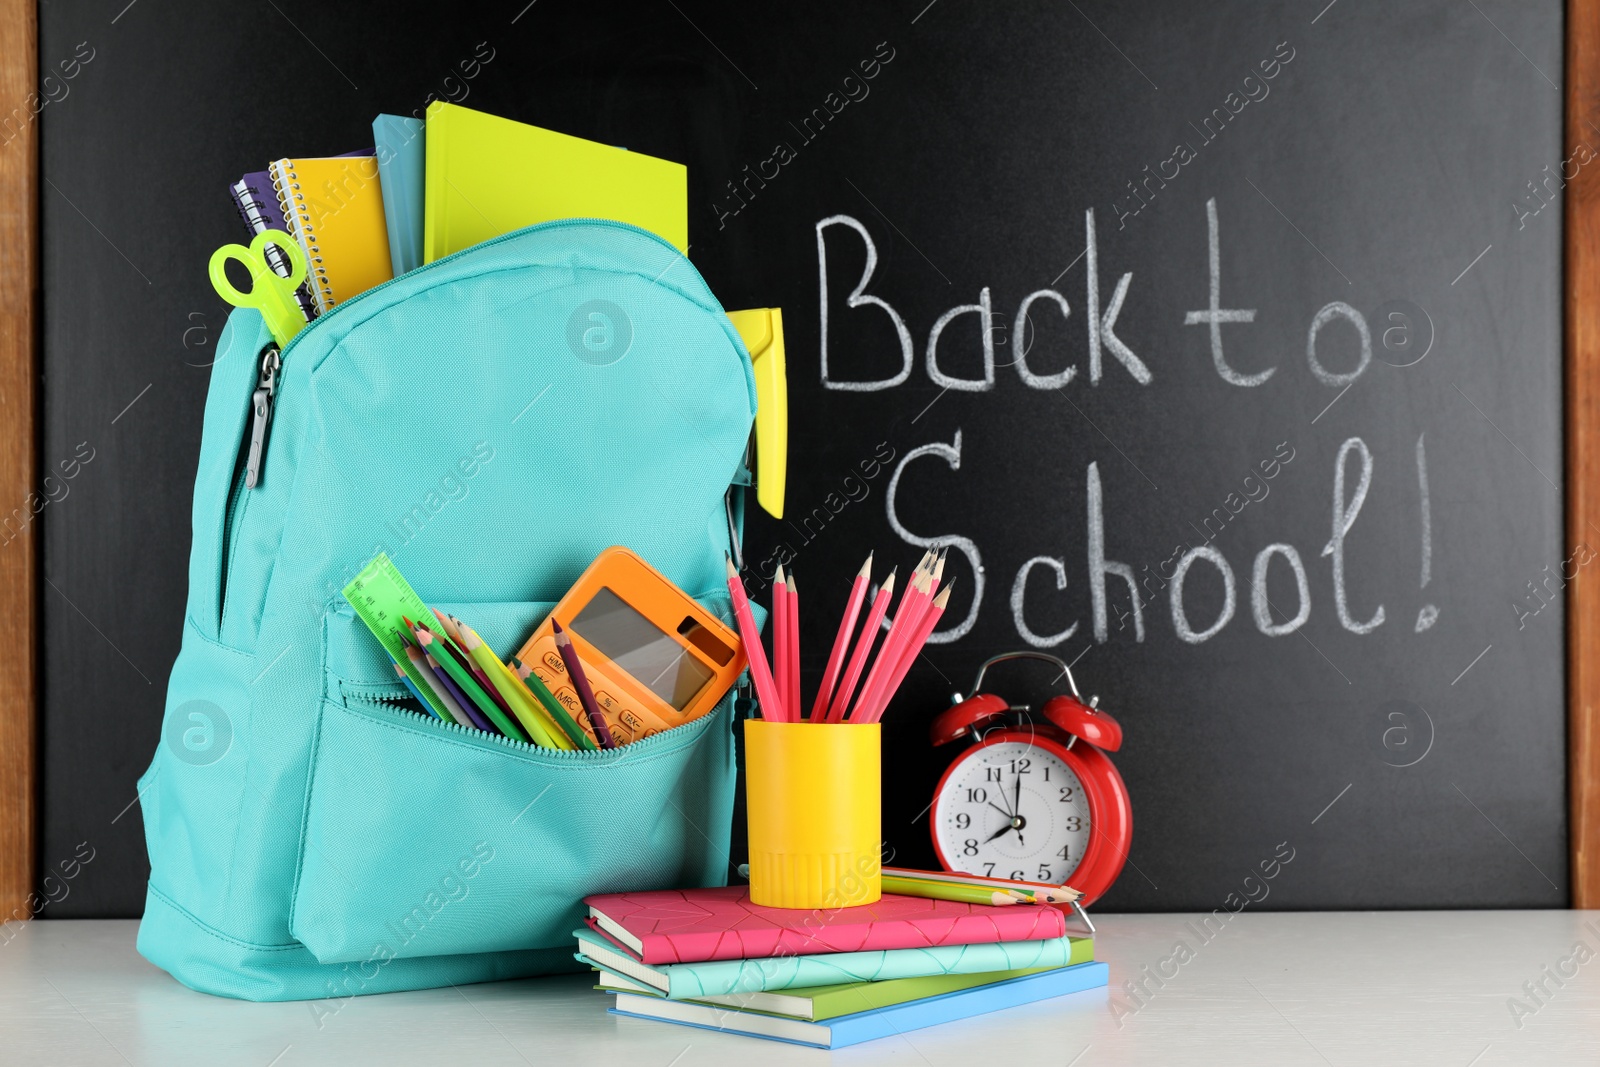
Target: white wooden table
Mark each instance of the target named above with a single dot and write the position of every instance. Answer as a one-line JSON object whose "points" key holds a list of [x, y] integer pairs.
{"points": [[1271, 989]]}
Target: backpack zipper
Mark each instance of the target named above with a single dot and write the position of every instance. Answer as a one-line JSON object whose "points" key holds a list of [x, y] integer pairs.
{"points": [[261, 401], [399, 705], [247, 467], [261, 413]]}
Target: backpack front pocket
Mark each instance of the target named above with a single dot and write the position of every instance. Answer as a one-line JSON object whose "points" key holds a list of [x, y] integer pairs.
{"points": [[424, 839]]}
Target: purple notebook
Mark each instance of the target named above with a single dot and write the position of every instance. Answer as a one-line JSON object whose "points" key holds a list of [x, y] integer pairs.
{"points": [[258, 206]]}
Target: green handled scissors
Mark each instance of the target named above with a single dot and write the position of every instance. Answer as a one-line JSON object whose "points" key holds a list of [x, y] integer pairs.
{"points": [[270, 293]]}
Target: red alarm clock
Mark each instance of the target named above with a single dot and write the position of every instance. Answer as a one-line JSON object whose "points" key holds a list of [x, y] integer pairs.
{"points": [[1034, 798]]}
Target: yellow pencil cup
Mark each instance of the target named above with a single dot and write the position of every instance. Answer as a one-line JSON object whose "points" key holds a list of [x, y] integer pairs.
{"points": [[814, 804]]}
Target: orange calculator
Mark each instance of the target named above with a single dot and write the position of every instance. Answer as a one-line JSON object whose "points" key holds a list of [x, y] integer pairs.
{"points": [[654, 657]]}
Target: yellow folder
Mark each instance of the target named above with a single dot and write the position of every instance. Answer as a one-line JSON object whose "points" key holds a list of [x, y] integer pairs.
{"points": [[762, 331], [486, 176]]}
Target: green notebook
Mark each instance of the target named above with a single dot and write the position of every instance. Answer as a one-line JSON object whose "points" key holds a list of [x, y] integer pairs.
{"points": [[821, 1002], [485, 176]]}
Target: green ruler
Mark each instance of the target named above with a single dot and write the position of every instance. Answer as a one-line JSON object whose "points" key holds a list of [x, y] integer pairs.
{"points": [[384, 600]]}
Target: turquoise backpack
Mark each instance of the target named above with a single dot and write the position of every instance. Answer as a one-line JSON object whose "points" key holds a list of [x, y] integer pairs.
{"points": [[492, 421]]}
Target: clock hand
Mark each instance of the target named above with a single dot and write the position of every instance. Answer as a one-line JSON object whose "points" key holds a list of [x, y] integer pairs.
{"points": [[1016, 805], [1001, 810], [1003, 830]]}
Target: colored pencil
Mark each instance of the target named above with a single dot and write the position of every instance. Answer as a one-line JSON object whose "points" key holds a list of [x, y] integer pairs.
{"points": [[452, 659], [911, 649], [841, 642], [406, 678], [967, 894], [512, 702], [792, 701], [569, 726], [452, 628], [780, 644], [580, 682], [1041, 891], [917, 613], [750, 636], [463, 701], [906, 617], [858, 658], [490, 690], [441, 695], [444, 689]]}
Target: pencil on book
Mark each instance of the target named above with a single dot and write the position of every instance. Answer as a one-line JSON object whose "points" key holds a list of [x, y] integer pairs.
{"points": [[966, 894], [841, 642], [547, 700], [1040, 891], [755, 656], [858, 658], [580, 682]]}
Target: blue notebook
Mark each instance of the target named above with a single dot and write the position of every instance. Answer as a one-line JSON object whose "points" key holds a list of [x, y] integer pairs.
{"points": [[400, 147], [869, 1025]]}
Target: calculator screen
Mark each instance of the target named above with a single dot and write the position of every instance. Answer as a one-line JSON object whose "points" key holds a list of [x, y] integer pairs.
{"points": [[643, 649]]}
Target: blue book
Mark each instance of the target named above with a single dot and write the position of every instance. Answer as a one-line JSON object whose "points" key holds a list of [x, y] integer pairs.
{"points": [[869, 1025], [399, 147]]}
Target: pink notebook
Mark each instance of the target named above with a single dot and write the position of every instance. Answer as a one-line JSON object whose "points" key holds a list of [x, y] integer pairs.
{"points": [[694, 925]]}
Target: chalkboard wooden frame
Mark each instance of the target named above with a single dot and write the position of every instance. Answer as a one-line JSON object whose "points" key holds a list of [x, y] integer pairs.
{"points": [[20, 560], [1583, 464], [19, 291]]}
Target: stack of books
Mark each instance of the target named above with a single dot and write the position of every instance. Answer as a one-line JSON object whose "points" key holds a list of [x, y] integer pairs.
{"points": [[710, 958]]}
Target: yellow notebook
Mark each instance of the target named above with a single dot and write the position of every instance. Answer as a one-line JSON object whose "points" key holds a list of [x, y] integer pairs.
{"points": [[486, 176], [334, 208]]}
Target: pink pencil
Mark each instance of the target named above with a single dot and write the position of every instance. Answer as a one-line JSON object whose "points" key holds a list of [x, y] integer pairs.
{"points": [[906, 617], [913, 648], [793, 695], [841, 643], [908, 654], [780, 642], [750, 635], [923, 604], [858, 658]]}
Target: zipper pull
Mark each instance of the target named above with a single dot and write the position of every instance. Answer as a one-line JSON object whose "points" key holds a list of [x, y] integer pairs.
{"points": [[261, 414]]}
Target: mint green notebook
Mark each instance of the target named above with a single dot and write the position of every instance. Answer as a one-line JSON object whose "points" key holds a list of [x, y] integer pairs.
{"points": [[689, 981]]}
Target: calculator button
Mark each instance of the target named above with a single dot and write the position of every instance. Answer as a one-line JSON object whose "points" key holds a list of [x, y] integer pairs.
{"points": [[553, 661], [606, 701], [634, 723], [569, 699]]}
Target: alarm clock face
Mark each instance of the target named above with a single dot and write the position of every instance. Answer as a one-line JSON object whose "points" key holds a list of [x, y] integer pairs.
{"points": [[1012, 809]]}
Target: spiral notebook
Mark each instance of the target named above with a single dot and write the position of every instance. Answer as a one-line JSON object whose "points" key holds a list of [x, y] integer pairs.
{"points": [[333, 206], [258, 206]]}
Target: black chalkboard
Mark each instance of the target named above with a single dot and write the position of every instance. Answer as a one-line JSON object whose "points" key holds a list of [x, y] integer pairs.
{"points": [[1366, 164]]}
